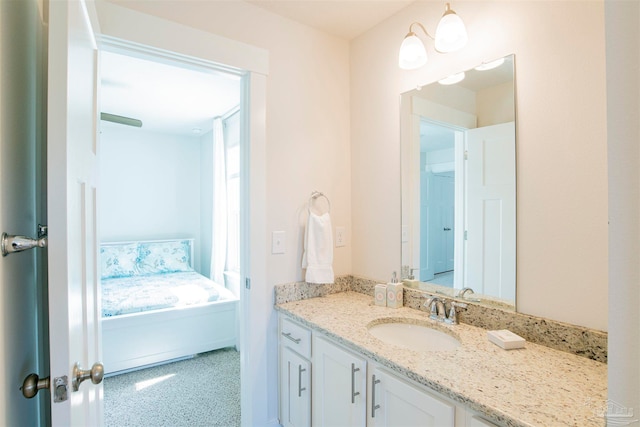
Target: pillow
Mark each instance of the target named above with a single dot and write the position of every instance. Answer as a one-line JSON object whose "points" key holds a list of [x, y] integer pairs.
{"points": [[164, 257], [118, 260]]}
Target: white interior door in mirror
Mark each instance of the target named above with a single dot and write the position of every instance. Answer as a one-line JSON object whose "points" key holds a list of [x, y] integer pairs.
{"points": [[491, 207]]}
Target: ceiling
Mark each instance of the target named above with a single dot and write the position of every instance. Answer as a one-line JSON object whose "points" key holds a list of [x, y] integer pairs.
{"points": [[176, 100], [343, 18], [166, 98]]}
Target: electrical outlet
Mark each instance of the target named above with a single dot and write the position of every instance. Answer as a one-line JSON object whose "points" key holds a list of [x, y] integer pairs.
{"points": [[341, 237], [278, 242]]}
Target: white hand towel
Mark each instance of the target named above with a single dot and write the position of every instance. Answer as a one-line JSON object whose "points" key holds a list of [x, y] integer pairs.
{"points": [[318, 249]]}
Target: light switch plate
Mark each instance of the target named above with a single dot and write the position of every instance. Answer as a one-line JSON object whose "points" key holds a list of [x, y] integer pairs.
{"points": [[278, 242], [405, 234], [341, 237]]}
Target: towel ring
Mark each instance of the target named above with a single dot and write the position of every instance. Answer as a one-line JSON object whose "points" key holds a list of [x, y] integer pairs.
{"points": [[314, 196]]}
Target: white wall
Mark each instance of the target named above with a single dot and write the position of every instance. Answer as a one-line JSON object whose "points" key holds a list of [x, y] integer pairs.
{"points": [[561, 144], [495, 105], [623, 113], [150, 185]]}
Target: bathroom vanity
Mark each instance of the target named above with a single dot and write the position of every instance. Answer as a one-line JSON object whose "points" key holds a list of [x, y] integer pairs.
{"points": [[334, 371]]}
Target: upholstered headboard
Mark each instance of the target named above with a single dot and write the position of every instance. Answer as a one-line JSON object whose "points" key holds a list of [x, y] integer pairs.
{"points": [[123, 259]]}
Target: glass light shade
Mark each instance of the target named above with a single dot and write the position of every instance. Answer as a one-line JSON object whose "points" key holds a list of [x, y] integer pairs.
{"points": [[452, 79], [412, 53], [490, 65], [451, 34]]}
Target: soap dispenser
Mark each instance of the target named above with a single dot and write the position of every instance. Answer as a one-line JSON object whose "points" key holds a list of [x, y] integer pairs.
{"points": [[411, 281], [395, 293]]}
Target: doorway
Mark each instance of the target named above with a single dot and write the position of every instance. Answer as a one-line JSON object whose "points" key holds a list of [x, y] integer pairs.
{"points": [[441, 203], [170, 160]]}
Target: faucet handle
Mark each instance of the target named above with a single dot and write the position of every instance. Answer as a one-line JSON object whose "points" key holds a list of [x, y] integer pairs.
{"points": [[458, 304], [452, 319]]}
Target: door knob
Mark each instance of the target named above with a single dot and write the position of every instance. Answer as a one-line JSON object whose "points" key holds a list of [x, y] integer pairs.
{"points": [[32, 383], [10, 244], [96, 373]]}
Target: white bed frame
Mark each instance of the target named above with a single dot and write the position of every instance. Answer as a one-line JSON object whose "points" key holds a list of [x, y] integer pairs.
{"points": [[135, 340]]}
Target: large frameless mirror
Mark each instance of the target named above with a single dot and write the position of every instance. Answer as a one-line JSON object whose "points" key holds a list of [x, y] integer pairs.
{"points": [[458, 148]]}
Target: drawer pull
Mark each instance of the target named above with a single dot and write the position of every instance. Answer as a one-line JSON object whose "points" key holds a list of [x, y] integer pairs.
{"points": [[373, 396], [354, 393], [288, 335]]}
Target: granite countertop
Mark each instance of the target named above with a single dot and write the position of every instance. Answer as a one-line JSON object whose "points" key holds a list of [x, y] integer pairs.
{"points": [[534, 386]]}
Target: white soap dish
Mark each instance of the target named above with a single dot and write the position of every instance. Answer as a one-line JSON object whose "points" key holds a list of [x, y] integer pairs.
{"points": [[506, 339]]}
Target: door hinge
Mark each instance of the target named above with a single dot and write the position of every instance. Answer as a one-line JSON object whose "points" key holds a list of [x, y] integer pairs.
{"points": [[247, 283], [465, 235], [466, 155]]}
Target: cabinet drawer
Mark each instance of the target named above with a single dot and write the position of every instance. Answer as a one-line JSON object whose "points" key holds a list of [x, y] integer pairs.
{"points": [[296, 337]]}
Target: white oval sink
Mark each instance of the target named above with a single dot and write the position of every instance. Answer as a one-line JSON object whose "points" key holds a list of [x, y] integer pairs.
{"points": [[414, 337]]}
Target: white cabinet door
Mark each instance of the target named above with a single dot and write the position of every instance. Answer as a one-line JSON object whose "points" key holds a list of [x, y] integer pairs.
{"points": [[339, 386], [295, 389], [396, 403]]}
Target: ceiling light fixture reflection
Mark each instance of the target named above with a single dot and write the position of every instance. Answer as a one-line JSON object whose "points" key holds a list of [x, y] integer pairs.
{"points": [[452, 79], [451, 35], [490, 65]]}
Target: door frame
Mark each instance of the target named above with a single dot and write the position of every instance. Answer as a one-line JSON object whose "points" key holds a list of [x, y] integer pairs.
{"points": [[136, 31]]}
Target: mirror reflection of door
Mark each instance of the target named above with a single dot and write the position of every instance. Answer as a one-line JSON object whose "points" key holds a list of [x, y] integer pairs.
{"points": [[458, 234], [437, 203], [490, 198]]}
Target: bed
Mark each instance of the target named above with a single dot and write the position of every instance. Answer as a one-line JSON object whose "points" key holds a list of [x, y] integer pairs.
{"points": [[156, 307]]}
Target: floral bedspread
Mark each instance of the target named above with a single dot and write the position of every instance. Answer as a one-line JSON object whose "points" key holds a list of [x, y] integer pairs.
{"points": [[137, 293]]}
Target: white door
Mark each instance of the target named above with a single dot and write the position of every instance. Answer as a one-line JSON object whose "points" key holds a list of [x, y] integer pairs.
{"points": [[296, 392], [74, 322], [443, 231], [491, 208]]}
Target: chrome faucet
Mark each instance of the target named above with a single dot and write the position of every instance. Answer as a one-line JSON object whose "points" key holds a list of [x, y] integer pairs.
{"points": [[463, 291], [436, 308], [438, 312]]}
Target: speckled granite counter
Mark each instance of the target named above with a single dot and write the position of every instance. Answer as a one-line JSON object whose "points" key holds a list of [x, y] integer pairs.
{"points": [[534, 386]]}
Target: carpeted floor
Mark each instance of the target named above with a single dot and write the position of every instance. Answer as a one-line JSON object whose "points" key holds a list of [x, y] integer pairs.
{"points": [[203, 391]]}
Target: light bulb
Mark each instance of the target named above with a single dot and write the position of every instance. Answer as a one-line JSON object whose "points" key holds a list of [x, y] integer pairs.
{"points": [[412, 53], [451, 34]]}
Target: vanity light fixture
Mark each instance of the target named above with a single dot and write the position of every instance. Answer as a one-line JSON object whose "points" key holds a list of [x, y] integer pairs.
{"points": [[452, 79], [490, 65], [451, 35]]}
